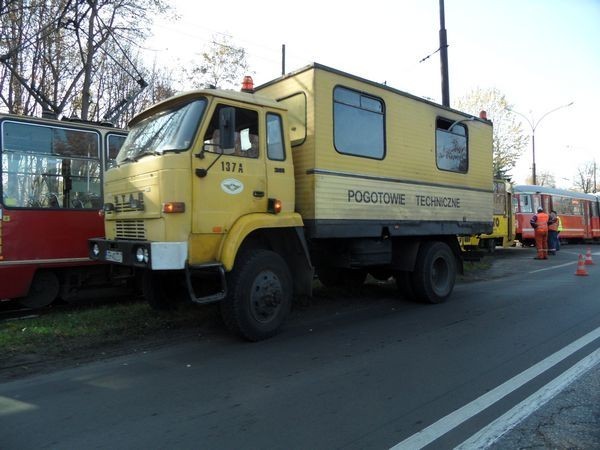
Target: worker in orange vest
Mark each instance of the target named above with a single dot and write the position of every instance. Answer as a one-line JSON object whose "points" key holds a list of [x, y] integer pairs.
{"points": [[539, 222]]}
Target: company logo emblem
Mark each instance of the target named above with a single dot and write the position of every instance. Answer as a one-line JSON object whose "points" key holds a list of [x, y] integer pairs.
{"points": [[232, 186]]}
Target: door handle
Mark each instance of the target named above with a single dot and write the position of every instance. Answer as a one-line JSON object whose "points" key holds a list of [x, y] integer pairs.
{"points": [[258, 194]]}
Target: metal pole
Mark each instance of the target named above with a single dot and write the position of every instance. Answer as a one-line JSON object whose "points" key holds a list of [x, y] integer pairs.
{"points": [[444, 57], [533, 126], [282, 59], [533, 178]]}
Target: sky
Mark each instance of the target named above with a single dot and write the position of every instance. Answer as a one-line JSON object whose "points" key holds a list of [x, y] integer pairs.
{"points": [[542, 54]]}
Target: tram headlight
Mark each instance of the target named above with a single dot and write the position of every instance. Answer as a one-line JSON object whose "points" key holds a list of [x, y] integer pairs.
{"points": [[96, 250]]}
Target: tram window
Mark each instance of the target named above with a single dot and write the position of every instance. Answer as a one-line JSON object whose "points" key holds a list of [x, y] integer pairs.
{"points": [[499, 198], [115, 142], [577, 207], [594, 210], [562, 205], [50, 167], [525, 203]]}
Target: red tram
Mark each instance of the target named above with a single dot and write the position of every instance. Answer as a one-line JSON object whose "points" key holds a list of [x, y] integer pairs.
{"points": [[579, 213], [51, 193]]}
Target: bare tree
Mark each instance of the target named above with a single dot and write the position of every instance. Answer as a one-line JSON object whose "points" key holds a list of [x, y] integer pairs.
{"points": [[543, 179], [61, 50], [509, 140], [586, 177], [222, 64]]}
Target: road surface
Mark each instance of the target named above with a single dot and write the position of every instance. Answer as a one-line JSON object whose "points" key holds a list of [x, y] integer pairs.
{"points": [[380, 373]]}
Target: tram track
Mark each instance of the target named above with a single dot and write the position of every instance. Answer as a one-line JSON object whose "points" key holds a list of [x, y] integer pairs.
{"points": [[12, 310]]}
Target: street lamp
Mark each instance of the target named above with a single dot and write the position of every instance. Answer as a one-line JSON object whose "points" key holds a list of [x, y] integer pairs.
{"points": [[533, 124]]}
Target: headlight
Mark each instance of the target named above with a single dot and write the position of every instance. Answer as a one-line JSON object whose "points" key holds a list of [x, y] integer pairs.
{"points": [[96, 250], [142, 255], [139, 254]]}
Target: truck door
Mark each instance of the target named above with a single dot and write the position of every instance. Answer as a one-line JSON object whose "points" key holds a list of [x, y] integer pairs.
{"points": [[235, 184]]}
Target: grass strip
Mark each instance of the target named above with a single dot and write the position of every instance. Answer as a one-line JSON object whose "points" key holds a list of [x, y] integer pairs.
{"points": [[62, 332]]}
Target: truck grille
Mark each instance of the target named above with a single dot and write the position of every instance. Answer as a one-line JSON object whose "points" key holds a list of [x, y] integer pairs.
{"points": [[130, 229]]}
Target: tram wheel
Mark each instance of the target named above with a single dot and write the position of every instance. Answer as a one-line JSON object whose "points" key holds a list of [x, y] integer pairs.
{"points": [[43, 290]]}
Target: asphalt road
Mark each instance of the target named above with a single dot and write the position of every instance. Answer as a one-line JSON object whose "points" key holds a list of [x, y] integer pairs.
{"points": [[371, 375]]}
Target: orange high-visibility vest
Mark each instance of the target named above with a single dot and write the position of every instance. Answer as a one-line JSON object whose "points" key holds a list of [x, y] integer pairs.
{"points": [[542, 221]]}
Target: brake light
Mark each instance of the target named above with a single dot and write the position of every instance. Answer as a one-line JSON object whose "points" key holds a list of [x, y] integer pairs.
{"points": [[274, 206], [173, 207]]}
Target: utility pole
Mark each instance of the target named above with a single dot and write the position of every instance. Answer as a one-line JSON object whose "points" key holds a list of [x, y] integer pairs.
{"points": [[282, 59], [444, 57]]}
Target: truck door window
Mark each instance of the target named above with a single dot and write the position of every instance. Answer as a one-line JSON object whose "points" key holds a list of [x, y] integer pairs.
{"points": [[246, 133], [275, 147], [451, 146], [358, 124]]}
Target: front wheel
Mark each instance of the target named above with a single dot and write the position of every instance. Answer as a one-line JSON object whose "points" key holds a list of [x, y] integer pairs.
{"points": [[435, 272], [260, 295]]}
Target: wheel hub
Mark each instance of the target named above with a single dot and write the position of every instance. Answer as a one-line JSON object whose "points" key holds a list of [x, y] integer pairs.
{"points": [[265, 297]]}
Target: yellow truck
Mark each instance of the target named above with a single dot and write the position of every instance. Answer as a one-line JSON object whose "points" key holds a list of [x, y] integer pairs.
{"points": [[238, 197], [503, 232]]}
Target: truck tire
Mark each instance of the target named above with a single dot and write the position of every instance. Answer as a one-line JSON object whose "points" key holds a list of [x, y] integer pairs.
{"points": [[43, 290], [435, 272], [259, 295]]}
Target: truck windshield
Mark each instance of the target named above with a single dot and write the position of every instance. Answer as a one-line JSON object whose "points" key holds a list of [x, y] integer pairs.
{"points": [[172, 130]]}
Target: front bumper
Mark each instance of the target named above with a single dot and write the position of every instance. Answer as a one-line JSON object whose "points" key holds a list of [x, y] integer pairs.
{"points": [[143, 254]]}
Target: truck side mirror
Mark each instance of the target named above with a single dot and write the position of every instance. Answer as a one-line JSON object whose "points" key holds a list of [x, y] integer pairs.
{"points": [[227, 127]]}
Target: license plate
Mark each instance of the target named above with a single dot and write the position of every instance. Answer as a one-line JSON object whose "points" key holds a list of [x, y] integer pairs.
{"points": [[114, 256]]}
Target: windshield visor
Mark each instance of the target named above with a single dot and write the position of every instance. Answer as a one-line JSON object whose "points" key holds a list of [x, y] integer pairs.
{"points": [[172, 130]]}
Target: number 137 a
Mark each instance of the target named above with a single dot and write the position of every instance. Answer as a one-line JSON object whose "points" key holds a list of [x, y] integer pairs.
{"points": [[228, 166]]}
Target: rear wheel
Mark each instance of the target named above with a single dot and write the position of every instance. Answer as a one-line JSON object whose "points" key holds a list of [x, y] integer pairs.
{"points": [[43, 290], [435, 272], [259, 295]]}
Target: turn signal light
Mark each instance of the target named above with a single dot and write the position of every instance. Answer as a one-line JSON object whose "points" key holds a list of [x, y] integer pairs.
{"points": [[274, 206], [173, 207]]}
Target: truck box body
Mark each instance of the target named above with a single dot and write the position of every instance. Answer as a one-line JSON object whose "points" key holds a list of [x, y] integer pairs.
{"points": [[344, 190]]}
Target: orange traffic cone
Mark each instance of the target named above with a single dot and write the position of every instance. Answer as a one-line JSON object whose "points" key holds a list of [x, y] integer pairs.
{"points": [[588, 258], [580, 267]]}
